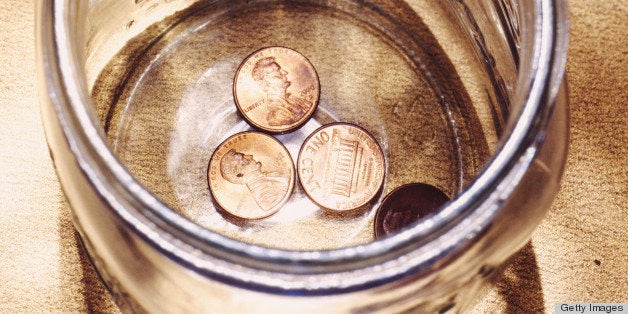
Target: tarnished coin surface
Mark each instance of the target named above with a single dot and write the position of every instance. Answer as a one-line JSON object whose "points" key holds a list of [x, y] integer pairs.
{"points": [[276, 89], [341, 166], [251, 175], [405, 205]]}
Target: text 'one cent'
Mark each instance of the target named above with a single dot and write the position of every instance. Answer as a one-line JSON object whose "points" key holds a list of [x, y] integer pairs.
{"points": [[341, 166]]}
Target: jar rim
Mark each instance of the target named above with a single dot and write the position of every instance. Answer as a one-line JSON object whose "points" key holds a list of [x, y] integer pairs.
{"points": [[210, 253]]}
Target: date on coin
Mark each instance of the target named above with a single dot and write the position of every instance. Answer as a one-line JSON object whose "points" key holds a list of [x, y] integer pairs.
{"points": [[405, 205], [276, 89], [341, 166], [251, 175]]}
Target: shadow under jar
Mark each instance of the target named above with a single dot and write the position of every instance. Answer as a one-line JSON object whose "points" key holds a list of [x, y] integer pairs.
{"points": [[466, 96]]}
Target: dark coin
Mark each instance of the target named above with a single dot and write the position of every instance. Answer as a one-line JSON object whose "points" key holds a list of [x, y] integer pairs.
{"points": [[406, 205]]}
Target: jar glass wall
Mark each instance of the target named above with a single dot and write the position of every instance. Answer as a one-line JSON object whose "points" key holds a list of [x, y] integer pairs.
{"points": [[464, 96]]}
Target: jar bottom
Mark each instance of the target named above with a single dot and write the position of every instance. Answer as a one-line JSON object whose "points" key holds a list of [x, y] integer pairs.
{"points": [[166, 103]]}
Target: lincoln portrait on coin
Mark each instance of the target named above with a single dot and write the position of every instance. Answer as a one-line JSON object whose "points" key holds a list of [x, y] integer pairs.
{"points": [[267, 188], [283, 108]]}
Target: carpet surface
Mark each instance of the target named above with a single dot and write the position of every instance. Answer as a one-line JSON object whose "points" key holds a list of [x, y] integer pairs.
{"points": [[579, 252]]}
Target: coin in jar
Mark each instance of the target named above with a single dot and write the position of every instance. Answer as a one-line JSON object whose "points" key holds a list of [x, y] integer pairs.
{"points": [[251, 175], [341, 166], [405, 205], [276, 89]]}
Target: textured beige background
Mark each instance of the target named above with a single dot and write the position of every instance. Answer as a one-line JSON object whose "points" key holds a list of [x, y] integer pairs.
{"points": [[579, 253]]}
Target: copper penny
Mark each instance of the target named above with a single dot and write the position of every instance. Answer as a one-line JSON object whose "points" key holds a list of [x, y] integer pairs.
{"points": [[406, 205], [341, 166], [251, 175], [276, 89]]}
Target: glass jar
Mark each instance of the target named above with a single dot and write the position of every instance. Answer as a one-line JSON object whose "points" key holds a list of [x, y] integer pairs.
{"points": [[467, 96]]}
